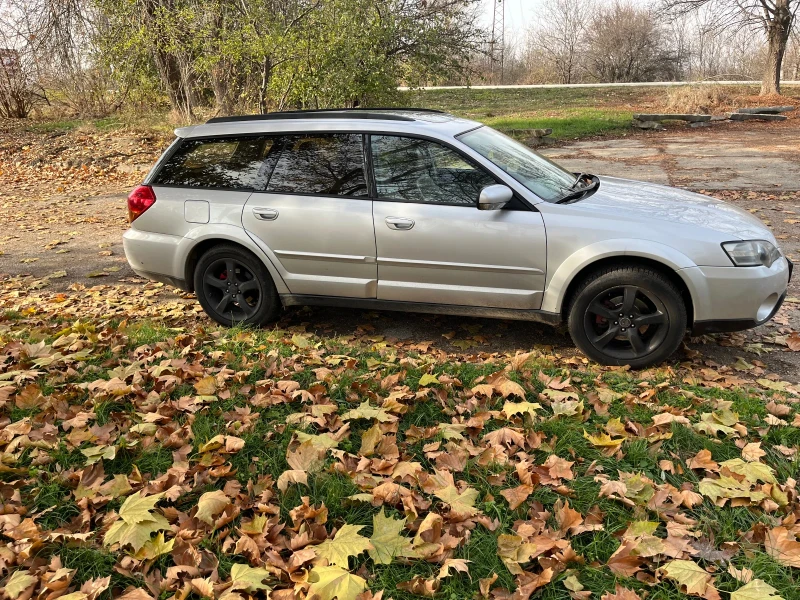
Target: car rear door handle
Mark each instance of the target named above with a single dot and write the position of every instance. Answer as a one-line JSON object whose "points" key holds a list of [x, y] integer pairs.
{"points": [[399, 223], [265, 214]]}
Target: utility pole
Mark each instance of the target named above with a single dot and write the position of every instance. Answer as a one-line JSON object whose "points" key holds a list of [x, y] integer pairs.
{"points": [[497, 41]]}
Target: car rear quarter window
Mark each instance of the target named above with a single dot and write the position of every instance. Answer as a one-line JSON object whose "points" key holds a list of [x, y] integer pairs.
{"points": [[223, 163], [325, 165], [417, 170]]}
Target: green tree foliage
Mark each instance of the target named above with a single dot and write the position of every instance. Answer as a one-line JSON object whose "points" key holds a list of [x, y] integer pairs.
{"points": [[244, 55]]}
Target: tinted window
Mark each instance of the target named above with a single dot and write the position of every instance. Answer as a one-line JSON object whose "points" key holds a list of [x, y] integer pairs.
{"points": [[422, 171], [329, 165], [232, 163]]}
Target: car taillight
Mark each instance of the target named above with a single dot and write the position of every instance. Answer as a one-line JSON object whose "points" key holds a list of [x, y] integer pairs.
{"points": [[139, 200]]}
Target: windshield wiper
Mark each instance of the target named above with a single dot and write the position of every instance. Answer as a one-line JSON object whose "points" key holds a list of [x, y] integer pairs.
{"points": [[579, 178], [578, 193]]}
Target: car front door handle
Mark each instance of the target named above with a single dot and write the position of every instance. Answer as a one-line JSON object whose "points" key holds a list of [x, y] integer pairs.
{"points": [[399, 223], [265, 214]]}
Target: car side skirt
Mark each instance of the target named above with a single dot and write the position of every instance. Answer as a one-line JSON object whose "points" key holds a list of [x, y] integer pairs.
{"points": [[515, 314]]}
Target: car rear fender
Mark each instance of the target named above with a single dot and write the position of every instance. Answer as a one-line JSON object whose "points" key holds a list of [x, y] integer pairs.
{"points": [[200, 237], [564, 273]]}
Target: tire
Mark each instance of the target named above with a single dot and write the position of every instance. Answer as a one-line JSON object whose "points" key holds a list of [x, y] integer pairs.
{"points": [[256, 302], [605, 332]]}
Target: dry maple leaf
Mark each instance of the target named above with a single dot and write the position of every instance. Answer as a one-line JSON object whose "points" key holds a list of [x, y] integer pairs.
{"points": [[346, 543], [624, 562], [387, 543], [793, 341], [292, 476], [703, 460], [516, 496], [245, 577], [558, 468], [334, 582], [210, 504], [207, 386], [783, 546], [19, 581], [756, 590], [690, 577], [621, 593], [752, 452], [137, 522], [457, 564], [462, 505], [366, 411], [507, 388]]}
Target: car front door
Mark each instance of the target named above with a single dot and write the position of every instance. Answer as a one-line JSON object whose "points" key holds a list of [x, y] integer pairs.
{"points": [[314, 217], [435, 246]]}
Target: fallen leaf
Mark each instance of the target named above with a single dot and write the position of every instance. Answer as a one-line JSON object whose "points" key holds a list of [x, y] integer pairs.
{"points": [[334, 582]]}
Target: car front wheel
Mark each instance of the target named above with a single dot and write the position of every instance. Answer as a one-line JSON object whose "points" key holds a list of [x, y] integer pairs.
{"points": [[627, 316], [234, 287]]}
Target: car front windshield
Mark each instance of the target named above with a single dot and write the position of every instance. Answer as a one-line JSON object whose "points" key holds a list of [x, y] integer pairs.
{"points": [[541, 176]]}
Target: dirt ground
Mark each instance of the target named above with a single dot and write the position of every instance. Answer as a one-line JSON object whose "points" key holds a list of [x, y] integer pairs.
{"points": [[63, 212]]}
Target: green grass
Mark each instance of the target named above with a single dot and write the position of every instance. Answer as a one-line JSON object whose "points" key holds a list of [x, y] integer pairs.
{"points": [[49, 493], [574, 124], [570, 113]]}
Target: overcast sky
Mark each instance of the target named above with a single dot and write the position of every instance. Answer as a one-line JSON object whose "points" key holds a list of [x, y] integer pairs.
{"points": [[519, 14]]}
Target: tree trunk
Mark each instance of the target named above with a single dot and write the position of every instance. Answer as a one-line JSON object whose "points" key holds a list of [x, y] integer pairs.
{"points": [[778, 31], [266, 74]]}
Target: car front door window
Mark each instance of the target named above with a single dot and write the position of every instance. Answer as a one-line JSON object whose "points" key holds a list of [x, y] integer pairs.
{"points": [[421, 171]]}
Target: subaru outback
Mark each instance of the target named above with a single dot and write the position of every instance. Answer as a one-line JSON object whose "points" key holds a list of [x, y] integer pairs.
{"points": [[418, 210]]}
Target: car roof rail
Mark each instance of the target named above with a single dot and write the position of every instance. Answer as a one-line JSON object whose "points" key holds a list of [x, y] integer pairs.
{"points": [[386, 114]]}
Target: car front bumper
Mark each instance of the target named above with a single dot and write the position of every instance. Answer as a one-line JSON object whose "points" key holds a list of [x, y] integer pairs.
{"points": [[736, 298]]}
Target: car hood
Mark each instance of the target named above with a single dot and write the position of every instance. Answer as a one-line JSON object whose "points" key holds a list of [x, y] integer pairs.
{"points": [[646, 201]]}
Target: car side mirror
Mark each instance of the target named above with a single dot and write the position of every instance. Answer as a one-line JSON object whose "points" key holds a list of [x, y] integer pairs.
{"points": [[494, 197]]}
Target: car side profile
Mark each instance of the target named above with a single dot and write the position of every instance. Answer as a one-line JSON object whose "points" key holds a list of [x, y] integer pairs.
{"points": [[418, 210]]}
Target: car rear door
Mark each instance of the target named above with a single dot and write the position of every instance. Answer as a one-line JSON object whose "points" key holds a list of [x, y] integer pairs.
{"points": [[314, 217], [435, 246]]}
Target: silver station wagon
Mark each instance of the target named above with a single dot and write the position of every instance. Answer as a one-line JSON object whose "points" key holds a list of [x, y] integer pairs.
{"points": [[418, 210]]}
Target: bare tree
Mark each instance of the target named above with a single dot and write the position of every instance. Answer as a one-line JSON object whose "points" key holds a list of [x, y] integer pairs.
{"points": [[560, 35], [775, 18], [625, 43]]}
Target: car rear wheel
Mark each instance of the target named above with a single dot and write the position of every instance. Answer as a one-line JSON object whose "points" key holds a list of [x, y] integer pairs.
{"points": [[234, 287], [627, 316]]}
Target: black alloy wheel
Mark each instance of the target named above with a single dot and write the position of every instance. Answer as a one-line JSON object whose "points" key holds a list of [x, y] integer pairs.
{"points": [[626, 322], [234, 287], [627, 316]]}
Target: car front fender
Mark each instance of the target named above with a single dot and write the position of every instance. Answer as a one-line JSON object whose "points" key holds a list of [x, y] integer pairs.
{"points": [[566, 271]]}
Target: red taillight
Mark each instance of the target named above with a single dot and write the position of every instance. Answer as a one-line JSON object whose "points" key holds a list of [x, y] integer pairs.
{"points": [[140, 199]]}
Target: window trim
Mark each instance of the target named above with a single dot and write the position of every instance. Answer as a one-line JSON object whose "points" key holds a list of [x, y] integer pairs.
{"points": [[372, 197]]}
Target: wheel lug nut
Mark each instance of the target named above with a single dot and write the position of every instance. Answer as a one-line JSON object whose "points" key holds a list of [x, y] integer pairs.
{"points": [[616, 322]]}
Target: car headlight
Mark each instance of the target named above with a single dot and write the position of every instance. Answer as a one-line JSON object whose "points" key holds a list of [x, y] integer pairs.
{"points": [[752, 253]]}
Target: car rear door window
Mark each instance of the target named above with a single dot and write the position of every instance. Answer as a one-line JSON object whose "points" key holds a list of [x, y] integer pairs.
{"points": [[324, 165], [221, 163], [417, 170]]}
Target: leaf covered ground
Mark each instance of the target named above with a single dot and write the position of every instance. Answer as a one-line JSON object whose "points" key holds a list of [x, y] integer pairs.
{"points": [[147, 454]]}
